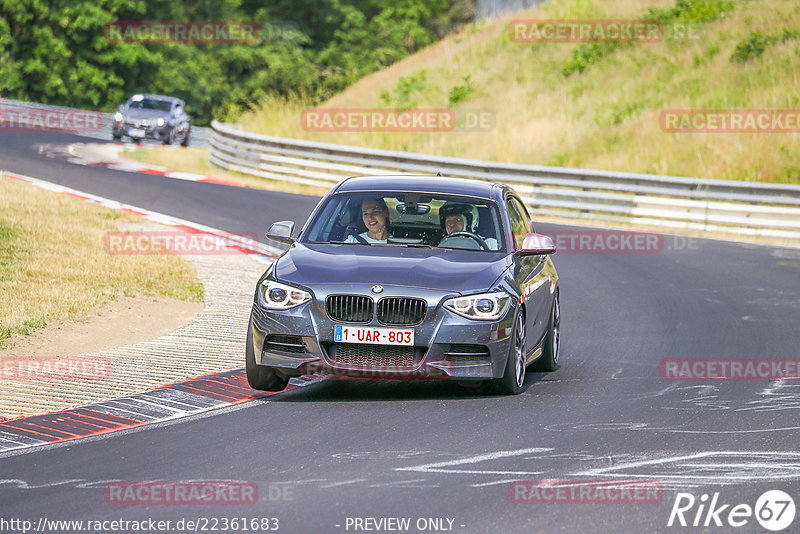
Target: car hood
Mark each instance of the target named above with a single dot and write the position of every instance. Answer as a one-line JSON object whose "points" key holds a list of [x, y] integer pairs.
{"points": [[449, 270], [140, 114]]}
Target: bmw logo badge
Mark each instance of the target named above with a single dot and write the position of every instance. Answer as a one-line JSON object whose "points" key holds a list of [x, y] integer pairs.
{"points": [[377, 289]]}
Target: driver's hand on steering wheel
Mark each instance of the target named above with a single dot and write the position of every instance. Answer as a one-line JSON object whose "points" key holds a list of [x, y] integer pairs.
{"points": [[475, 237]]}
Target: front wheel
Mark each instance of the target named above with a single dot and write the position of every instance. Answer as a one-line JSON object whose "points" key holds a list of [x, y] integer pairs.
{"points": [[259, 376], [552, 344], [514, 375]]}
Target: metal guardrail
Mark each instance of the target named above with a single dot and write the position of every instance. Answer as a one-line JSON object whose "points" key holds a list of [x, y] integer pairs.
{"points": [[199, 135], [727, 206]]}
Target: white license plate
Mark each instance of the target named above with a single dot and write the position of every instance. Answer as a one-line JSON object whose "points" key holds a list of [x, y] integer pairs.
{"points": [[374, 336], [136, 132]]}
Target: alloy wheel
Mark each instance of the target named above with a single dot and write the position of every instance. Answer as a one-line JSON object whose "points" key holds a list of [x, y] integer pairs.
{"points": [[519, 350]]}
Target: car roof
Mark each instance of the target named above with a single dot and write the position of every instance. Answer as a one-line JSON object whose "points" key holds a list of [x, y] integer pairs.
{"points": [[421, 184], [157, 97]]}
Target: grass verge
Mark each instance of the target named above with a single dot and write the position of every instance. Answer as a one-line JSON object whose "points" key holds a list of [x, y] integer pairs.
{"points": [[53, 265]]}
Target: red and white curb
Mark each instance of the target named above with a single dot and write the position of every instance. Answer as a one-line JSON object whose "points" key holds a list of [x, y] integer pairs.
{"points": [[259, 251], [69, 153], [165, 403]]}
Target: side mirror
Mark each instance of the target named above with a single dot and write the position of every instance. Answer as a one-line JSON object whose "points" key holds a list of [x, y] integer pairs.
{"points": [[281, 231], [537, 245], [121, 107]]}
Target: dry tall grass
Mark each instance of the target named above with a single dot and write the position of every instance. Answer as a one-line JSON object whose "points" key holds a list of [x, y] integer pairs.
{"points": [[606, 117], [53, 264]]}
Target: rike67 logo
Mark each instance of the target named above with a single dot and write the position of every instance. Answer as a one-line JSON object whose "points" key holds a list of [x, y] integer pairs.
{"points": [[774, 510]]}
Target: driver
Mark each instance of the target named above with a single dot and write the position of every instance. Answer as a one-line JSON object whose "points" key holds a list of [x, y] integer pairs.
{"points": [[455, 222], [456, 217]]}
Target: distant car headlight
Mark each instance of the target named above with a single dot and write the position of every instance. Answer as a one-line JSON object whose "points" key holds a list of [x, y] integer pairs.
{"points": [[483, 307], [119, 117], [276, 296], [160, 121]]}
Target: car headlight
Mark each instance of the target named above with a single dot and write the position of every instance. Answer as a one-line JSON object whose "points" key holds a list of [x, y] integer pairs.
{"points": [[276, 296], [160, 121], [483, 307], [118, 116]]}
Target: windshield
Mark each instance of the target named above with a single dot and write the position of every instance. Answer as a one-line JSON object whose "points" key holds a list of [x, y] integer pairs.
{"points": [[407, 219], [150, 103]]}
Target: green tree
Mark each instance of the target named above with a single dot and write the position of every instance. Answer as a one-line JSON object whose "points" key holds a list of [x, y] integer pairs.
{"points": [[55, 51]]}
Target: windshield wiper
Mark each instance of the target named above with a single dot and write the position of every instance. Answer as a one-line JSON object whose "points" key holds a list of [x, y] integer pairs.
{"points": [[409, 245]]}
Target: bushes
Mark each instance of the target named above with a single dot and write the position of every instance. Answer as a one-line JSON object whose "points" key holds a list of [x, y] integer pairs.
{"points": [[755, 44], [55, 52], [698, 11], [586, 54], [684, 13], [461, 91]]}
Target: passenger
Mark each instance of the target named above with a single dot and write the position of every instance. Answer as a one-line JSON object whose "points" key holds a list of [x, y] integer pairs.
{"points": [[375, 215]]}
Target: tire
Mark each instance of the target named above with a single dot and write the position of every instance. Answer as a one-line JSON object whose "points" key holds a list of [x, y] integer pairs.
{"points": [[514, 375], [185, 141], [261, 377], [170, 138], [552, 344]]}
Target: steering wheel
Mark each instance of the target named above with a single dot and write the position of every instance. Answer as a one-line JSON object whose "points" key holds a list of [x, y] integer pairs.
{"points": [[478, 239]]}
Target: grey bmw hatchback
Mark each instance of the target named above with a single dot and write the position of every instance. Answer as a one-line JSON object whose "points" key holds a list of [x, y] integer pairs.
{"points": [[408, 277]]}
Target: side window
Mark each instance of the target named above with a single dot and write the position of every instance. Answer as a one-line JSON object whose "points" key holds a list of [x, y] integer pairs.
{"points": [[520, 224], [524, 212]]}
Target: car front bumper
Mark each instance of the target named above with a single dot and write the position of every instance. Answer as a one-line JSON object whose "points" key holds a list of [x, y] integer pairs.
{"points": [[159, 133], [446, 346]]}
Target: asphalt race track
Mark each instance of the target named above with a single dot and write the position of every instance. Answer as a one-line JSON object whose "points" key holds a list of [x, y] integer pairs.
{"points": [[328, 454]]}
